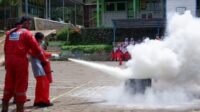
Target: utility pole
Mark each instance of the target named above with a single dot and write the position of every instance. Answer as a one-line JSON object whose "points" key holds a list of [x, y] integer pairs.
{"points": [[26, 7], [98, 13], [102, 12], [46, 12], [134, 9], [75, 15], [63, 11], [49, 9]]}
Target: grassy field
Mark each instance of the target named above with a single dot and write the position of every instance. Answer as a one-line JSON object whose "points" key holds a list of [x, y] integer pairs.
{"points": [[82, 48], [1, 34], [88, 48], [56, 43]]}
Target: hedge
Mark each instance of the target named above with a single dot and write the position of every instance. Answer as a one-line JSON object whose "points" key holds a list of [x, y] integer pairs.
{"points": [[2, 34], [97, 35], [86, 36], [105, 35], [88, 48], [56, 43], [62, 34]]}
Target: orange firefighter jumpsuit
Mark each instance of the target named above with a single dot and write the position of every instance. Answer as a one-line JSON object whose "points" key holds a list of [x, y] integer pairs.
{"points": [[43, 77], [17, 44]]}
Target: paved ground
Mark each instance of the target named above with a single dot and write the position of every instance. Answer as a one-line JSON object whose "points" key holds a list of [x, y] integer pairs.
{"points": [[1, 45], [45, 32], [2, 39], [71, 78]]}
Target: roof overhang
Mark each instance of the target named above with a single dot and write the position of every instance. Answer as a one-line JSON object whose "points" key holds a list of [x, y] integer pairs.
{"points": [[68, 2], [139, 23]]}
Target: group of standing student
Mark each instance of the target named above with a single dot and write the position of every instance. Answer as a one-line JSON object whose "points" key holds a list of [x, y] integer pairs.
{"points": [[119, 52], [20, 43]]}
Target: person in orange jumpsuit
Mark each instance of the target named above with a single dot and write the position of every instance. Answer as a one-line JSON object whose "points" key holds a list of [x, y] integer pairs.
{"points": [[17, 44], [42, 75]]}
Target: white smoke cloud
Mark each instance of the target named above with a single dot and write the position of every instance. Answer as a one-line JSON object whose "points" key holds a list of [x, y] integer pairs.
{"points": [[152, 97], [184, 38], [174, 61], [176, 57], [152, 59]]}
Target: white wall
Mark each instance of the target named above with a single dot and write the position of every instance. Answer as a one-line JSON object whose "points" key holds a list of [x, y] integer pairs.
{"points": [[109, 16], [172, 6]]}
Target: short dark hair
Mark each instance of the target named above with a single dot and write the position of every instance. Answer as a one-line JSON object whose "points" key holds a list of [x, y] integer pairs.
{"points": [[39, 36], [17, 23], [24, 19]]}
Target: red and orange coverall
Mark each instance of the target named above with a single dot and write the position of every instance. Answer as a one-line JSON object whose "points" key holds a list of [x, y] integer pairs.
{"points": [[17, 44], [43, 78]]}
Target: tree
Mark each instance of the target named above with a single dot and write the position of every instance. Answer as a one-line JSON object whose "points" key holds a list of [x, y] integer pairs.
{"points": [[8, 4], [69, 14]]}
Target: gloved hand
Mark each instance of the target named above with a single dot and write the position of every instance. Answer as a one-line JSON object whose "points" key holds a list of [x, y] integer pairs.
{"points": [[56, 56]]}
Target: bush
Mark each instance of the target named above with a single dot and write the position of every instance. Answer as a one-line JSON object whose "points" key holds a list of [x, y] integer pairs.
{"points": [[88, 48], [56, 43], [70, 36], [62, 34], [86, 36], [75, 38], [2, 34], [97, 35]]}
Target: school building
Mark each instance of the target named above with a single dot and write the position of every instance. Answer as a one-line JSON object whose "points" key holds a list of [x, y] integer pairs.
{"points": [[132, 16], [58, 10], [139, 16]]}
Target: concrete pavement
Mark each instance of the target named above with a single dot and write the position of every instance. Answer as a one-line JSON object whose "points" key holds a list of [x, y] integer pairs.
{"points": [[76, 88]]}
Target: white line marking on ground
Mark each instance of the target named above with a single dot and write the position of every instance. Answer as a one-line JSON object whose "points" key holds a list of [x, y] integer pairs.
{"points": [[54, 87], [64, 94], [68, 92], [2, 40], [55, 81], [2, 60]]}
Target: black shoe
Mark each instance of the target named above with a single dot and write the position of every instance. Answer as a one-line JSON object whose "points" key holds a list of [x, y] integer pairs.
{"points": [[14, 101], [42, 105], [36, 104], [50, 104]]}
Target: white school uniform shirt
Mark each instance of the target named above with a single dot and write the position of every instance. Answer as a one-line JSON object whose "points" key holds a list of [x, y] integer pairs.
{"points": [[114, 49], [37, 67]]}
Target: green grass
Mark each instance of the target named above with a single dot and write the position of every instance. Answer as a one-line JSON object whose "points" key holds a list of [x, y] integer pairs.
{"points": [[87, 48], [2, 34], [56, 43]]}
